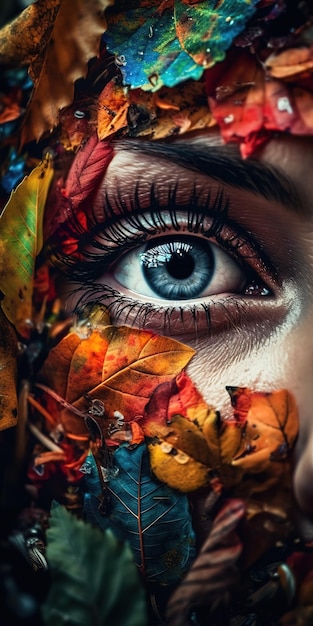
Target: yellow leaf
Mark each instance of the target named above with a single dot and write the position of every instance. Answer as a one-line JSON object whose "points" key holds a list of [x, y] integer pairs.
{"points": [[8, 356], [177, 470], [21, 241]]}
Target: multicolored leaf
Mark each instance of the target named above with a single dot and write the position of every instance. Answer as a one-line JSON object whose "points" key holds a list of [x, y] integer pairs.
{"points": [[153, 518], [165, 43], [21, 240], [93, 576], [120, 366]]}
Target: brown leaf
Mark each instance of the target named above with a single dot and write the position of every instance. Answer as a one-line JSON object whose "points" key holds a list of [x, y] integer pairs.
{"points": [[73, 41], [290, 63], [120, 366], [214, 572], [272, 427], [26, 37], [8, 356]]}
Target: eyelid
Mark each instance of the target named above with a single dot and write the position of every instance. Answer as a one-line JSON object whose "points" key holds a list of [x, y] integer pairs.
{"points": [[123, 230]]}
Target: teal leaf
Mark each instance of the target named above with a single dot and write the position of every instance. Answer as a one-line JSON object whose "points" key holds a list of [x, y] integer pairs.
{"points": [[94, 581], [158, 46], [151, 516]]}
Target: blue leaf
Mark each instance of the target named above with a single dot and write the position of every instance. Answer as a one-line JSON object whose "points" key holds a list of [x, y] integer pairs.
{"points": [[151, 516]]}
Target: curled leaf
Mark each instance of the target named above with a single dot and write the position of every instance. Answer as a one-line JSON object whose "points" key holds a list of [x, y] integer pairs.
{"points": [[21, 241], [214, 572]]}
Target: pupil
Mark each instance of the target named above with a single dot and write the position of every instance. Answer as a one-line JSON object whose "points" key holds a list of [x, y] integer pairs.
{"points": [[181, 265]]}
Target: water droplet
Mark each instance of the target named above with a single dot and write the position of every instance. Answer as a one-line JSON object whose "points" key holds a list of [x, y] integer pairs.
{"points": [[181, 458], [284, 104], [166, 447], [229, 118], [151, 32], [120, 60], [79, 115]]}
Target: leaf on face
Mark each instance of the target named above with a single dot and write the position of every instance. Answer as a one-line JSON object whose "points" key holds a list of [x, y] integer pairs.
{"points": [[90, 573], [21, 240], [72, 41], [120, 366], [8, 355], [272, 427], [179, 454], [153, 518]]}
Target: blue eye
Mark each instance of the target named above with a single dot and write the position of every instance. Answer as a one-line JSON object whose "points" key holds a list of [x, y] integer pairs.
{"points": [[179, 267]]}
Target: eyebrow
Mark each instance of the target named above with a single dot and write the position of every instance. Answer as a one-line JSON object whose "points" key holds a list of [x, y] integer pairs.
{"points": [[225, 165]]}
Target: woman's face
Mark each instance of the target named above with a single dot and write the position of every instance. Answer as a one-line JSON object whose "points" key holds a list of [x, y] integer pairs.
{"points": [[217, 252]]}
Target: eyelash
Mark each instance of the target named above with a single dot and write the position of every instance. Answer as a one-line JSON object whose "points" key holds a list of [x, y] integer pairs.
{"points": [[129, 226]]}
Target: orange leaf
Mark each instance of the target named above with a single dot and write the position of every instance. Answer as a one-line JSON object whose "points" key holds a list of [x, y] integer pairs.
{"points": [[119, 366], [272, 427], [113, 105], [290, 63]]}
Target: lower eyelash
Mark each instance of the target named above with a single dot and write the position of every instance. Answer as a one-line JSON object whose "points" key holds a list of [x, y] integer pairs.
{"points": [[195, 318]]}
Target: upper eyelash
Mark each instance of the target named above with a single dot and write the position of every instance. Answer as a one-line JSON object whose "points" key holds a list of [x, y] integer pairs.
{"points": [[87, 266]]}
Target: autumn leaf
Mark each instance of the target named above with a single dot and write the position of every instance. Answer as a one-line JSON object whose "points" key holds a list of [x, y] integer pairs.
{"points": [[179, 454], [154, 519], [8, 372], [25, 38], [272, 427], [162, 46], [290, 63], [113, 105], [120, 366], [21, 241], [214, 573], [56, 38]]}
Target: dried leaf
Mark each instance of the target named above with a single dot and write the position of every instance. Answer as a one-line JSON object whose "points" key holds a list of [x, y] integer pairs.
{"points": [[120, 366], [179, 454], [21, 241], [8, 355], [272, 427], [214, 572], [26, 37], [290, 63], [73, 41], [113, 106], [153, 518], [90, 573]]}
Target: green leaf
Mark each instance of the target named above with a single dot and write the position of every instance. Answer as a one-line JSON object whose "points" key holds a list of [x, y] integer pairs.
{"points": [[21, 240], [94, 580]]}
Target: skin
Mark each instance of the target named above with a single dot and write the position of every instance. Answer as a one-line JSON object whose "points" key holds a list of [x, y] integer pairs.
{"points": [[269, 345]]}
